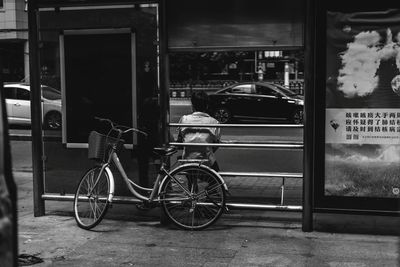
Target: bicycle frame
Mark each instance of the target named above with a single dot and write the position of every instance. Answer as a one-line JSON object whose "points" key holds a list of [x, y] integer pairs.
{"points": [[154, 192], [191, 194], [154, 195]]}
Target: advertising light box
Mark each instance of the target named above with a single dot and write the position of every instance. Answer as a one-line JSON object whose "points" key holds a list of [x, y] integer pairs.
{"points": [[362, 126], [357, 104]]}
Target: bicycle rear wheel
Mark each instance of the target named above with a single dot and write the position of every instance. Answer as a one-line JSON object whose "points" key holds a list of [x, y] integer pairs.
{"points": [[194, 198], [90, 202]]}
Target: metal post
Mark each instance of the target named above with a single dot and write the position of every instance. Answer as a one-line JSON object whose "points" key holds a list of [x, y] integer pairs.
{"points": [[286, 81], [36, 110], [164, 77], [308, 135], [164, 82], [282, 191]]}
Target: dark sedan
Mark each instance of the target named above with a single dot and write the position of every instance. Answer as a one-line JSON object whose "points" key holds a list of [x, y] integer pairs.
{"points": [[256, 101]]}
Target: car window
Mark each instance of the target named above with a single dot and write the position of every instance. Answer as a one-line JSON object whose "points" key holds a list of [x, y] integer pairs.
{"points": [[9, 92], [23, 94], [241, 89], [50, 93], [286, 91], [265, 90]]}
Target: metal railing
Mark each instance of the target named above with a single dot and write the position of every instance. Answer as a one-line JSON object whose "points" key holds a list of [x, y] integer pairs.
{"points": [[226, 125], [270, 145], [263, 145]]}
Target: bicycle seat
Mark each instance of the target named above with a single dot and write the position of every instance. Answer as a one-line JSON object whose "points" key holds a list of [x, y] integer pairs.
{"points": [[165, 151]]}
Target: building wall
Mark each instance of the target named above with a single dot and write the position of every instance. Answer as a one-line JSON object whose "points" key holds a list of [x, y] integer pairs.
{"points": [[13, 20], [14, 40]]}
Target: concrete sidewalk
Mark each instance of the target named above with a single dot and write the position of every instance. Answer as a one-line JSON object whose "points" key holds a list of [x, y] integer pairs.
{"points": [[127, 237]]}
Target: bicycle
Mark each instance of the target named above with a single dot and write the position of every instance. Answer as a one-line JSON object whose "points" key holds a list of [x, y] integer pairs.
{"points": [[192, 195]]}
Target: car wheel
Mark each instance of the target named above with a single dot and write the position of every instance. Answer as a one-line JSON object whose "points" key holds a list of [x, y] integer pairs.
{"points": [[52, 120], [223, 115], [297, 116]]}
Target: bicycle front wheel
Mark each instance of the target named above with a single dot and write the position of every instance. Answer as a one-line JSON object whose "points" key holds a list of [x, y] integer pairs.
{"points": [[193, 197], [90, 202]]}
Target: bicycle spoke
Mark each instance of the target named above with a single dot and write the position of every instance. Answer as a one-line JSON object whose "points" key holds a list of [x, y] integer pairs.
{"points": [[193, 211], [205, 204], [212, 201], [203, 215], [205, 191], [211, 211], [183, 215], [174, 206], [182, 187], [85, 187], [92, 210], [97, 208], [90, 183], [95, 211], [90, 203]]}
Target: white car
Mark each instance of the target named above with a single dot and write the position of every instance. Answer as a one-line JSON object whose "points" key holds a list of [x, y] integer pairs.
{"points": [[17, 96]]}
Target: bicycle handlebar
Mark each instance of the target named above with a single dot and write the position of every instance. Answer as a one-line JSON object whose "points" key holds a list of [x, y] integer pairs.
{"points": [[120, 128]]}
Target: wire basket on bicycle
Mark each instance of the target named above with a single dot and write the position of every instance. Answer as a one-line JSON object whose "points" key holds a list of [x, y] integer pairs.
{"points": [[100, 145]]}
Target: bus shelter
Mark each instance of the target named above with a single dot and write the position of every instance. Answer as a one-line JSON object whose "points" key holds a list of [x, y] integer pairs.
{"points": [[128, 61]]}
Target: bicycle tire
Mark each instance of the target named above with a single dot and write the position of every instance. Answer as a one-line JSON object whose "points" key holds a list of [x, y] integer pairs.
{"points": [[207, 201], [91, 207]]}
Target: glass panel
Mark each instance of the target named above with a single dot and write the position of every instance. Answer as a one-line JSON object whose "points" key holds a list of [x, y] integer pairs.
{"points": [[362, 151], [230, 78], [9, 92], [224, 72], [51, 93], [264, 90], [241, 89], [22, 94], [106, 80], [235, 23]]}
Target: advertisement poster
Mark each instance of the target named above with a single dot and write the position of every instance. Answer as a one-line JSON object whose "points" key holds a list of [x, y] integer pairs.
{"points": [[362, 129]]}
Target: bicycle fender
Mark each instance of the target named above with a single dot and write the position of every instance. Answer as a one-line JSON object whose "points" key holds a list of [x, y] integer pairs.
{"points": [[112, 185], [196, 165], [218, 175]]}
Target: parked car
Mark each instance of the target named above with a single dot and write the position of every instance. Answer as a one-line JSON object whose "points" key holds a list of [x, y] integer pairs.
{"points": [[18, 105], [256, 101]]}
